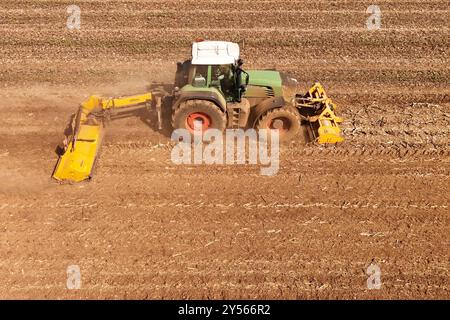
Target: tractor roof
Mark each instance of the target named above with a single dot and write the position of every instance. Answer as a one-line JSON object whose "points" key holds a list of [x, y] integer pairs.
{"points": [[214, 52]]}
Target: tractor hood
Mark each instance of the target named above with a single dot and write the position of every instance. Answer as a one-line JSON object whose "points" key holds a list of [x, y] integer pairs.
{"points": [[280, 83], [265, 78]]}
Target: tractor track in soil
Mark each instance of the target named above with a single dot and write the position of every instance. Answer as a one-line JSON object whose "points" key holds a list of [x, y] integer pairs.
{"points": [[147, 228]]}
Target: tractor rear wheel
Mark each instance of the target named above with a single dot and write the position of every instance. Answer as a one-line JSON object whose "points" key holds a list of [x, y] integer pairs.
{"points": [[202, 112], [286, 120]]}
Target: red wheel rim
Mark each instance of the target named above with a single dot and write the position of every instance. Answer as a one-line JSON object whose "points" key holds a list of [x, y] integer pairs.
{"points": [[281, 123], [200, 117]]}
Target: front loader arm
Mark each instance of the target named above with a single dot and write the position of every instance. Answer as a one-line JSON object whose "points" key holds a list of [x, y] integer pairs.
{"points": [[82, 144]]}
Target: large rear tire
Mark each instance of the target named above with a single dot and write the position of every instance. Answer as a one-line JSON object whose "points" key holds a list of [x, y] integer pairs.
{"points": [[286, 120], [203, 112]]}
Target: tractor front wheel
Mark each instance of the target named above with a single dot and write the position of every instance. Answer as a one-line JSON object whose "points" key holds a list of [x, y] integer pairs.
{"points": [[205, 114], [286, 120]]}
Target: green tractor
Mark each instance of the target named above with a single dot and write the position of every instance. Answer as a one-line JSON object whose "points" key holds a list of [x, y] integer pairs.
{"points": [[212, 89]]}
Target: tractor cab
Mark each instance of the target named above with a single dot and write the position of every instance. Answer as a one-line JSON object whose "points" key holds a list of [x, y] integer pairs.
{"points": [[214, 64]]}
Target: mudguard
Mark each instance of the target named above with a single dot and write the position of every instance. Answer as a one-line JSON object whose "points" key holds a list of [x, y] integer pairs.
{"points": [[263, 107]]}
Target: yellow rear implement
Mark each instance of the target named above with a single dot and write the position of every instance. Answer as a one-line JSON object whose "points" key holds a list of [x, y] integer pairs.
{"points": [[77, 162], [83, 143]]}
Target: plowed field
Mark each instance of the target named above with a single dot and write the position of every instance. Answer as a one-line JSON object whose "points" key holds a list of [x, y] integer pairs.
{"points": [[147, 228]]}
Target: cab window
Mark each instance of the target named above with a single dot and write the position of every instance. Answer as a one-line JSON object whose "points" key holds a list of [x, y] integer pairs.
{"points": [[199, 76]]}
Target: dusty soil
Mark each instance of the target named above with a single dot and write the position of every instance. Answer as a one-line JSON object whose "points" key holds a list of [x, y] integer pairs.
{"points": [[147, 228]]}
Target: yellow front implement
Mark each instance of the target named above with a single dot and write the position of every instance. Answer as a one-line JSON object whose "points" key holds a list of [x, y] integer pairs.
{"points": [[324, 125], [329, 131], [83, 143]]}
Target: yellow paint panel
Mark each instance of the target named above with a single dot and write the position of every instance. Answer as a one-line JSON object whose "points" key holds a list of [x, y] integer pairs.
{"points": [[329, 134], [76, 165]]}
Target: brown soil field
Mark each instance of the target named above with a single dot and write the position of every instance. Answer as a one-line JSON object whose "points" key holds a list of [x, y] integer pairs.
{"points": [[145, 228]]}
